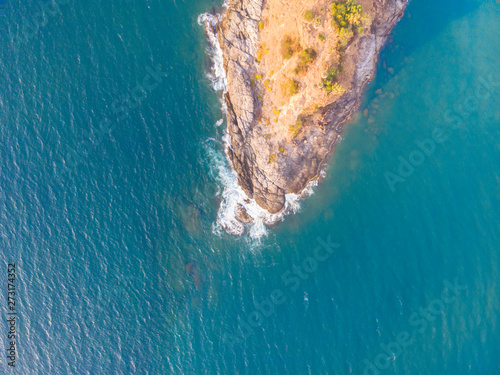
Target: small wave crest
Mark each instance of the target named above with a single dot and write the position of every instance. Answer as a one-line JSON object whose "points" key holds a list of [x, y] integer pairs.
{"points": [[217, 75]]}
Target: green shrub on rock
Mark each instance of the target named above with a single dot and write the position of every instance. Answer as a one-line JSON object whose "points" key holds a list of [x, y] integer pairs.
{"points": [[289, 46], [330, 83], [305, 58], [295, 129], [290, 88], [308, 16], [349, 19]]}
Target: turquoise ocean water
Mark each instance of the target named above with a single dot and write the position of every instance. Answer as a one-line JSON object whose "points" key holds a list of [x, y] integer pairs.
{"points": [[121, 265]]}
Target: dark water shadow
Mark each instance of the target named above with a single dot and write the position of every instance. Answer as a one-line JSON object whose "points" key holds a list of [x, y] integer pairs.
{"points": [[423, 21]]}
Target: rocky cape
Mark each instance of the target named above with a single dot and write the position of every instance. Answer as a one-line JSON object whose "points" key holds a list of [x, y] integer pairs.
{"points": [[267, 181]]}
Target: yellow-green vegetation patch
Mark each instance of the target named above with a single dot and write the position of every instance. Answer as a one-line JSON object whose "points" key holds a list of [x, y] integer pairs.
{"points": [[313, 109], [289, 88], [295, 129], [321, 37], [262, 51], [318, 21], [349, 19], [289, 47], [258, 58], [272, 158], [329, 82], [261, 25], [267, 85], [258, 76], [306, 57], [308, 16], [336, 89], [276, 111], [345, 36]]}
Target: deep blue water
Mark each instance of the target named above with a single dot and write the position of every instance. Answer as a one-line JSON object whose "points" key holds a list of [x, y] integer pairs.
{"points": [[120, 266]]}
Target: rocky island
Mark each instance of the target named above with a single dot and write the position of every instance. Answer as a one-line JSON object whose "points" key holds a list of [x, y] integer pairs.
{"points": [[295, 73]]}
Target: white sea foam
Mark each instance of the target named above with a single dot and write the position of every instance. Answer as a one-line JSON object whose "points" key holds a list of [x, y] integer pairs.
{"points": [[217, 75], [231, 193]]}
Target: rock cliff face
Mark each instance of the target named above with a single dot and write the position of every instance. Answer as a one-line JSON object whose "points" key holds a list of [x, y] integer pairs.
{"points": [[266, 180]]}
